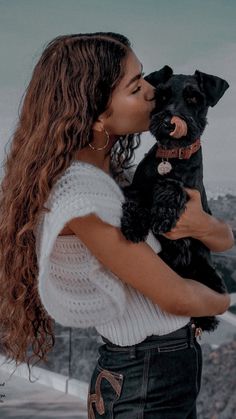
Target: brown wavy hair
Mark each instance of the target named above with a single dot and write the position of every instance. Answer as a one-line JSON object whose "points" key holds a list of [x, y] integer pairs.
{"points": [[71, 86]]}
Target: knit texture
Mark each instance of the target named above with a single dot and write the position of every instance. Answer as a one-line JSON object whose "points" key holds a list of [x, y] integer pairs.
{"points": [[74, 287]]}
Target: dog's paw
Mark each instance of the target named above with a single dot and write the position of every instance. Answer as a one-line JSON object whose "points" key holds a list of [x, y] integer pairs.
{"points": [[169, 193], [207, 324], [163, 219], [135, 222]]}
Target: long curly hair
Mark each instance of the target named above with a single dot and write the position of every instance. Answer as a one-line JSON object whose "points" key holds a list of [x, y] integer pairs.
{"points": [[71, 86]]}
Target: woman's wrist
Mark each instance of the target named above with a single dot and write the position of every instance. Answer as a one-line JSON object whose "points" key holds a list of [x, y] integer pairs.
{"points": [[203, 301], [215, 234]]}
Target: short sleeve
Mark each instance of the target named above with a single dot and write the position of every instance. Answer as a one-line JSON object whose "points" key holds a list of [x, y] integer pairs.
{"points": [[96, 295], [84, 189]]}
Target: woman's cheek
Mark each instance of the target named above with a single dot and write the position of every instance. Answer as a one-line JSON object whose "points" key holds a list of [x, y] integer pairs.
{"points": [[128, 116]]}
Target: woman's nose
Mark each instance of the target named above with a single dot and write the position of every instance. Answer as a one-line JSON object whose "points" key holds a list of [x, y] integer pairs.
{"points": [[150, 95], [149, 92]]}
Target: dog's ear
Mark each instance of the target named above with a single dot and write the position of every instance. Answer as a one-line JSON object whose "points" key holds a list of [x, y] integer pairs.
{"points": [[160, 76], [214, 87]]}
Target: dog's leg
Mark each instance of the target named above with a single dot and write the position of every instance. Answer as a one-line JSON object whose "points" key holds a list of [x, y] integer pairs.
{"points": [[169, 199], [176, 253], [204, 269], [204, 272], [135, 220]]}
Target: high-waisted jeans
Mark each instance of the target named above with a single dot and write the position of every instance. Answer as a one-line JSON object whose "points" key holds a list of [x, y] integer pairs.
{"points": [[158, 378]]}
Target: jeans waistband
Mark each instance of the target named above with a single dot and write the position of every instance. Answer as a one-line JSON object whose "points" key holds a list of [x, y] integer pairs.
{"points": [[186, 334]]}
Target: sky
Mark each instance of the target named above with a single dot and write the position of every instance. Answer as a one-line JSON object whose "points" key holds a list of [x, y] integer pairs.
{"points": [[185, 34]]}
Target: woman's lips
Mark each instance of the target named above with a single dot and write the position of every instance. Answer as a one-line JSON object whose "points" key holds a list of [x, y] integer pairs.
{"points": [[180, 129]]}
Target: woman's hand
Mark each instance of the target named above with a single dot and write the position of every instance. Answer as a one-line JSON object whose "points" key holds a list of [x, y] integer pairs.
{"points": [[193, 220], [196, 223]]}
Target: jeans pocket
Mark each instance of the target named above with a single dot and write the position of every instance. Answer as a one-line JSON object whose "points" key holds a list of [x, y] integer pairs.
{"points": [[104, 390], [172, 346]]}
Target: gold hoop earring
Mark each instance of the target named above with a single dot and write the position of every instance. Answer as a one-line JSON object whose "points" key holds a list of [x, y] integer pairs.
{"points": [[101, 148]]}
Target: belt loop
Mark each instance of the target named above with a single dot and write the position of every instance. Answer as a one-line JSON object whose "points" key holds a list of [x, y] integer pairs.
{"points": [[192, 328], [132, 352], [196, 331]]}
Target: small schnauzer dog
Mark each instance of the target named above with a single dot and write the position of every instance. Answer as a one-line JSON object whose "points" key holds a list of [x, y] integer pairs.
{"points": [[156, 197]]}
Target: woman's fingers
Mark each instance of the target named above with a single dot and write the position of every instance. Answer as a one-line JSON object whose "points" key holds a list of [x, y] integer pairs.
{"points": [[193, 193], [190, 219]]}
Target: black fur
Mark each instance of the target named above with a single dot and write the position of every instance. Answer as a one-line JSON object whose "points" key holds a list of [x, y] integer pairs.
{"points": [[155, 201]]}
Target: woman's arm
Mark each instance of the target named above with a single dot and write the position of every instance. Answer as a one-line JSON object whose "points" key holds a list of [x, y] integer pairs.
{"points": [[138, 265], [195, 222]]}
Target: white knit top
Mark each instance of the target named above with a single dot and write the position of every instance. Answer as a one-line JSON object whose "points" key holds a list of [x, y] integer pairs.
{"points": [[74, 287]]}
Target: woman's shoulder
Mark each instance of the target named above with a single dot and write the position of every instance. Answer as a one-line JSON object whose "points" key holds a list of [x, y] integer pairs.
{"points": [[82, 175], [82, 181], [87, 175], [80, 190]]}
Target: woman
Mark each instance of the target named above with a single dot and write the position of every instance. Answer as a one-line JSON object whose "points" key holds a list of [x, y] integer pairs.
{"points": [[63, 255]]}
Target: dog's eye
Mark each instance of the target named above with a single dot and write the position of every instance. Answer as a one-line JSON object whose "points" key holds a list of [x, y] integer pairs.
{"points": [[164, 96], [192, 96], [192, 100]]}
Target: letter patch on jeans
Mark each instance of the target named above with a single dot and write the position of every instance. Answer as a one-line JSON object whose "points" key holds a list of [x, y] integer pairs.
{"points": [[116, 382]]}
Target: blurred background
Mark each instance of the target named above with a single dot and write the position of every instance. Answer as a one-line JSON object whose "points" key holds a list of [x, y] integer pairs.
{"points": [[187, 35]]}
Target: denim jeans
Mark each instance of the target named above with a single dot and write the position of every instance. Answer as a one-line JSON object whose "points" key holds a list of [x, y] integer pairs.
{"points": [[158, 378]]}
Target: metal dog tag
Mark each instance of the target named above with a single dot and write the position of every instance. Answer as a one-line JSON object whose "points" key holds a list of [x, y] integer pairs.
{"points": [[164, 167]]}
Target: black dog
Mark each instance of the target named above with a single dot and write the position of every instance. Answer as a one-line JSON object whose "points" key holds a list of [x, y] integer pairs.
{"points": [[156, 198]]}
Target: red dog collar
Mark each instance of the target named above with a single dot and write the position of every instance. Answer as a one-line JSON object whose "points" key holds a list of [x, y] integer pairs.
{"points": [[180, 153]]}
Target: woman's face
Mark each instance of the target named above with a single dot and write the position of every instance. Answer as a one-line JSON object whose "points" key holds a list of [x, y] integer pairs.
{"points": [[132, 101]]}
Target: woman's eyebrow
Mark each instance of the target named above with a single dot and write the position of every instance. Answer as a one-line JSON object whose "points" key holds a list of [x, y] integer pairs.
{"points": [[137, 77]]}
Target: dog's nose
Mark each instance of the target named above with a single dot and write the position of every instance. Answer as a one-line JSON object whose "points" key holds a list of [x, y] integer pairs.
{"points": [[180, 127], [166, 122]]}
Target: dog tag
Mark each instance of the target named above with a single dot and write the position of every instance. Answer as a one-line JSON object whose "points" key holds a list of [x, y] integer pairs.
{"points": [[164, 167]]}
